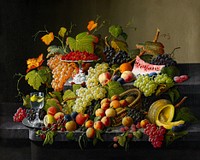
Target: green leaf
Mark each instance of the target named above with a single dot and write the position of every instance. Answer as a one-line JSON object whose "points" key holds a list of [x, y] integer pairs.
{"points": [[75, 87], [57, 95], [153, 48], [119, 45], [53, 50], [114, 88], [70, 136], [133, 53], [171, 136], [115, 30], [98, 135], [36, 78], [49, 138], [62, 31], [52, 102], [184, 113], [82, 140], [83, 42], [122, 139], [26, 101], [124, 35], [174, 94]]}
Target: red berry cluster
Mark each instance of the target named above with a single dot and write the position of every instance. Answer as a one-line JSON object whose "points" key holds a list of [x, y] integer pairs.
{"points": [[19, 115], [77, 55], [156, 134], [180, 79]]}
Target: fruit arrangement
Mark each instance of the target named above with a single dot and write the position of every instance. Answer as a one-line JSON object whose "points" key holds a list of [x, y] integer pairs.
{"points": [[132, 92]]}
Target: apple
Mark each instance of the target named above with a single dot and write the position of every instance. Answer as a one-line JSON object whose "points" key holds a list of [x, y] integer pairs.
{"points": [[52, 110], [128, 76], [89, 123], [98, 125], [81, 118], [105, 105], [127, 121], [90, 132], [59, 115], [70, 126], [99, 112], [110, 112], [104, 78], [106, 121]]}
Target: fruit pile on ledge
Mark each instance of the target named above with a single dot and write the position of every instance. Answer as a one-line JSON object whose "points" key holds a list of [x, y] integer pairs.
{"points": [[108, 87]]}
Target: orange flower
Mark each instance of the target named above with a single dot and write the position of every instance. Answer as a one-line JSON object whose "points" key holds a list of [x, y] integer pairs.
{"points": [[34, 62], [48, 38], [91, 25]]}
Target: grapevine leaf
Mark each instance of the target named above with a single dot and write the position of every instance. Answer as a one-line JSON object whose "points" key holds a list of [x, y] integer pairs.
{"points": [[153, 48], [36, 78], [26, 101], [119, 45], [82, 140], [122, 139], [124, 35], [68, 94], [57, 95], [133, 53], [83, 42], [98, 135], [115, 30], [174, 94], [75, 87], [171, 136], [114, 88], [52, 102], [52, 50], [184, 113], [49, 138], [62, 31]]}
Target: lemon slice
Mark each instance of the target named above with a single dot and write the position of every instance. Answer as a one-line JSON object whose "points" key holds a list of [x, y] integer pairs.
{"points": [[33, 98], [48, 119], [40, 99]]}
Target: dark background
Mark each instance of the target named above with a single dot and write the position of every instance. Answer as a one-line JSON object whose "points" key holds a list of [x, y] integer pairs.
{"points": [[21, 19]]}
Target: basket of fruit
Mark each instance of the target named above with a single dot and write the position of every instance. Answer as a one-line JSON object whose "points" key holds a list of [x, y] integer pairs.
{"points": [[131, 99]]}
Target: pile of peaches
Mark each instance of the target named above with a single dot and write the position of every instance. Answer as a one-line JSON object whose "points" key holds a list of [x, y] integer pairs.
{"points": [[104, 115]]}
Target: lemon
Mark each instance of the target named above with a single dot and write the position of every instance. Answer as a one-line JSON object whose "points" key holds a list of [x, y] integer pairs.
{"points": [[48, 119], [33, 98], [40, 99]]}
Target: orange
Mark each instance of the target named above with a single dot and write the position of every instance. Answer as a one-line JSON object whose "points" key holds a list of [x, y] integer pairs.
{"points": [[115, 104], [125, 67]]}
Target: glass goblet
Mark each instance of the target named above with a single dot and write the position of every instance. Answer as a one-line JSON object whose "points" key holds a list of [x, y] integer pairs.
{"points": [[37, 103]]}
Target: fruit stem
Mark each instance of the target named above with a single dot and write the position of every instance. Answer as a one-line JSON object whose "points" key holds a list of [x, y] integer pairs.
{"points": [[157, 35], [181, 102]]}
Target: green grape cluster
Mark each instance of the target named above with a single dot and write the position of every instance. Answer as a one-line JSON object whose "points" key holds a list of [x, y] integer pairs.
{"points": [[148, 85], [164, 79], [145, 84], [93, 90]]}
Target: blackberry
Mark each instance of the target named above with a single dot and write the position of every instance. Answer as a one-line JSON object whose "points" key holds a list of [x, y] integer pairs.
{"points": [[164, 59], [42, 113], [136, 114]]}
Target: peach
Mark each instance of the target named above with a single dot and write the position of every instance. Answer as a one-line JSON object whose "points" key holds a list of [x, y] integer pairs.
{"points": [[59, 115], [115, 104], [52, 110], [98, 125], [90, 132], [123, 103], [128, 76], [130, 99], [110, 112], [89, 123], [106, 121], [115, 97], [143, 123], [70, 126], [81, 118], [105, 100], [104, 78], [99, 112], [127, 121], [105, 105]]}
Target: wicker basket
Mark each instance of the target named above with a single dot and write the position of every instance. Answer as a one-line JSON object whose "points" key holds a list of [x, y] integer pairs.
{"points": [[137, 103]]}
